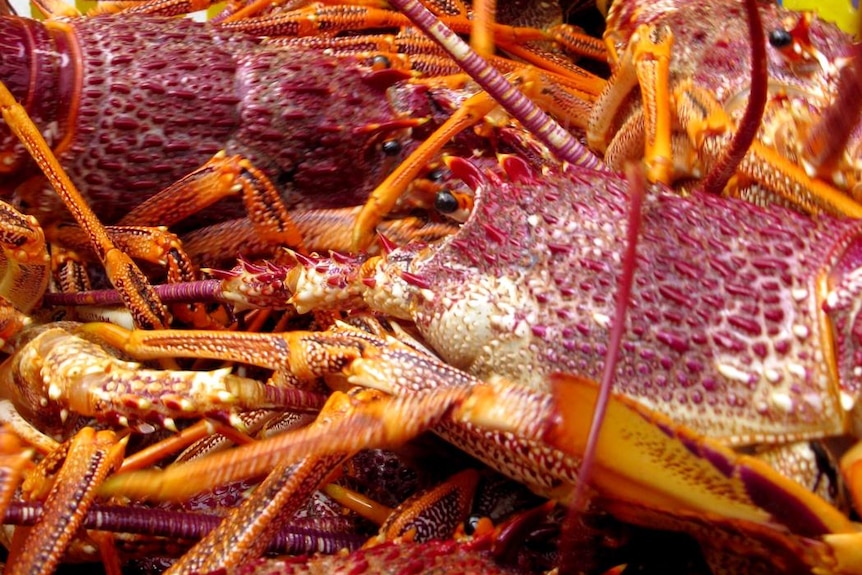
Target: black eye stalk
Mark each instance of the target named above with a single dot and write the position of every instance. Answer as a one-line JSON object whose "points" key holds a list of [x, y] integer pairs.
{"points": [[445, 202], [455, 205], [471, 523], [391, 147], [780, 38]]}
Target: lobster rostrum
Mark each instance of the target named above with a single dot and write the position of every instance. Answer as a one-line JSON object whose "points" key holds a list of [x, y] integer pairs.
{"points": [[694, 81]]}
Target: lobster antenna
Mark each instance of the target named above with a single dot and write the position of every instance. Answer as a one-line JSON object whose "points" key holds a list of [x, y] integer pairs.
{"points": [[209, 290], [549, 132], [721, 173], [636, 178], [637, 190]]}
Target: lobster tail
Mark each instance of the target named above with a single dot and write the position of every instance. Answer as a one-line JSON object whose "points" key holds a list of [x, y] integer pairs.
{"points": [[38, 67]]}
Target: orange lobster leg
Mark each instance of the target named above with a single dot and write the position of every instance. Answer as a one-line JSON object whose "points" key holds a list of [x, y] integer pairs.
{"points": [[220, 177], [384, 197], [646, 62], [649, 469], [245, 533], [27, 265], [138, 296], [445, 507], [708, 128], [369, 421], [14, 458], [91, 457], [316, 19]]}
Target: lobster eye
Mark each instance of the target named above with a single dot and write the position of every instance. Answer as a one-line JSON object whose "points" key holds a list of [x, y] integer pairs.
{"points": [[445, 202], [391, 147], [435, 175], [780, 38], [381, 62], [471, 523]]}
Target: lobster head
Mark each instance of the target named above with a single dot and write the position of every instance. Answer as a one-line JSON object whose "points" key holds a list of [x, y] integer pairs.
{"points": [[805, 59]]}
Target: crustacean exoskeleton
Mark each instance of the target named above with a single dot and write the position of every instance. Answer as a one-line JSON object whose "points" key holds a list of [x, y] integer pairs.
{"points": [[694, 81], [298, 124], [741, 360], [523, 291]]}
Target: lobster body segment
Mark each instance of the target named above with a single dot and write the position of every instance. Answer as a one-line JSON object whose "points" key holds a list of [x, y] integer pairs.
{"points": [[153, 99]]}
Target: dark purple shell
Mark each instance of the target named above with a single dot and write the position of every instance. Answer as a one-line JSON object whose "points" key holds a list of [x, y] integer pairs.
{"points": [[159, 97]]}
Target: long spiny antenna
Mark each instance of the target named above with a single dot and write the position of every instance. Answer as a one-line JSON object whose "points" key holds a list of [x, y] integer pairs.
{"points": [[637, 190], [558, 140]]}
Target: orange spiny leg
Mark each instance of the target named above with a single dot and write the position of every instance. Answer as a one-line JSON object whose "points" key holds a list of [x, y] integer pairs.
{"points": [[23, 429], [646, 61], [26, 265], [358, 503], [482, 37], [365, 420], [321, 230], [91, 456], [708, 128], [435, 513], [63, 372], [138, 296], [14, 458], [316, 19], [576, 41], [556, 63], [245, 533], [215, 180], [652, 61], [645, 460], [383, 198], [220, 177]]}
